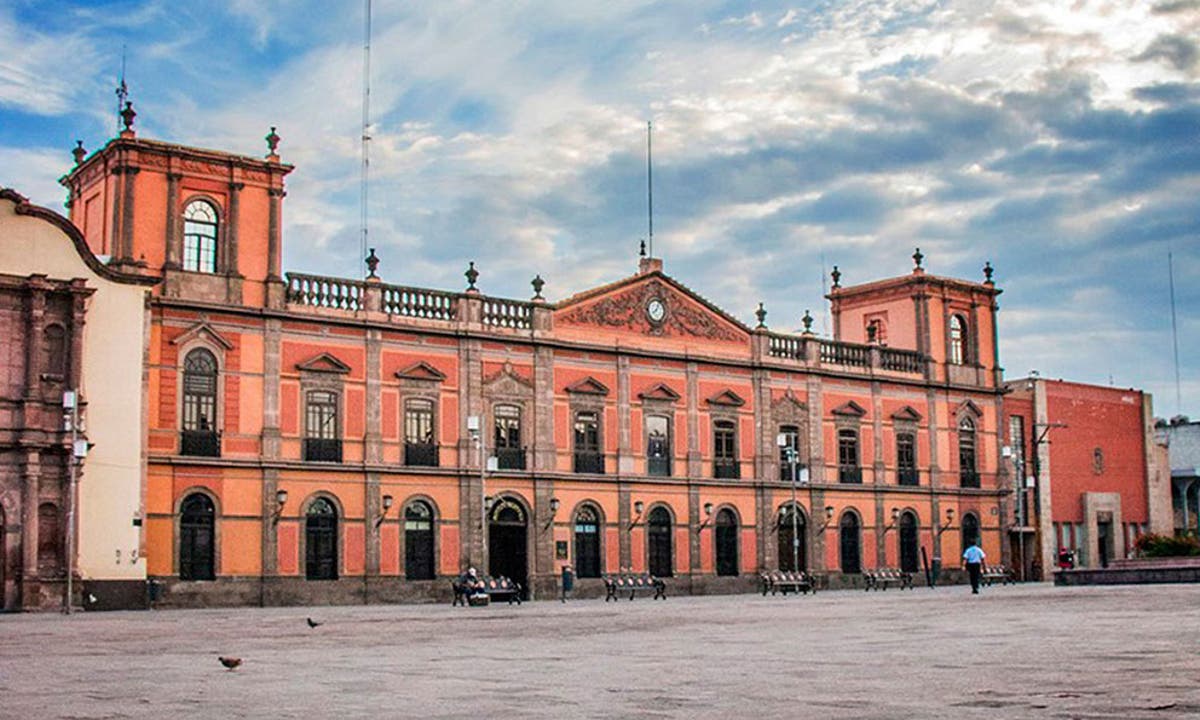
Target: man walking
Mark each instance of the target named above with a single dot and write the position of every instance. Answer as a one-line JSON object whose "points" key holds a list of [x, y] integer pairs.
{"points": [[974, 557]]}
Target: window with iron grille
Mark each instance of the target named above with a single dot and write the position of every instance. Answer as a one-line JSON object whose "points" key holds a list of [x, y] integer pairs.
{"points": [[510, 454], [420, 445], [725, 463], [588, 458], [322, 441], [848, 469], [200, 405]]}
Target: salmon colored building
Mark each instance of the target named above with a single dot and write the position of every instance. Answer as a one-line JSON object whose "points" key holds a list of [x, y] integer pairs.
{"points": [[315, 439]]}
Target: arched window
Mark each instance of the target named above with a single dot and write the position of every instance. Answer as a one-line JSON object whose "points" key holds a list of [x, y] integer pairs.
{"points": [[967, 473], [848, 469], [420, 445], [727, 543], [197, 521], [200, 405], [587, 543], [510, 454], [200, 237], [848, 545], [725, 462], [659, 530], [958, 340], [54, 346], [588, 458], [320, 541], [792, 555], [322, 440], [418, 541], [909, 542], [658, 445], [970, 530], [49, 544]]}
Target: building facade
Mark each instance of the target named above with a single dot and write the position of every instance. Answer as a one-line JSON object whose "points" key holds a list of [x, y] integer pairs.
{"points": [[314, 439], [73, 327], [1095, 477], [1182, 437]]}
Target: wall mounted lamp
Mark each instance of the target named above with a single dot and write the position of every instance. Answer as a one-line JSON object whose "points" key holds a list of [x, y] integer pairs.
{"points": [[949, 522], [554, 503], [895, 519], [708, 511], [638, 508], [387, 505], [828, 518], [280, 500]]}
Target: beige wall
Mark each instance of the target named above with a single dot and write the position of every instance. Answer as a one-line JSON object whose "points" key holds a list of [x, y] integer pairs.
{"points": [[111, 484]]}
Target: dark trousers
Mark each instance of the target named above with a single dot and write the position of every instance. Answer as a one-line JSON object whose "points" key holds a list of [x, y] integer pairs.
{"points": [[975, 570]]}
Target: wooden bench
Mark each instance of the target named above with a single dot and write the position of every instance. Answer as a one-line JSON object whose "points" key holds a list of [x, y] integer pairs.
{"points": [[997, 572], [633, 584], [497, 587], [881, 578], [784, 581]]}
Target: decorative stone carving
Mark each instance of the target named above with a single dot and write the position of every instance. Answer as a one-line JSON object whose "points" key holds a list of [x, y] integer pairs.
{"points": [[726, 398], [849, 410], [205, 330], [324, 363], [627, 310]]}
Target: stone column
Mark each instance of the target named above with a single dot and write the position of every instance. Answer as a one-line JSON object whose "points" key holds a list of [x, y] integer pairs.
{"points": [[172, 221], [274, 245], [30, 474], [231, 228], [624, 532], [127, 213]]}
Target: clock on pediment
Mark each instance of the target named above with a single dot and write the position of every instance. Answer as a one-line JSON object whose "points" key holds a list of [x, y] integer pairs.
{"points": [[656, 310]]}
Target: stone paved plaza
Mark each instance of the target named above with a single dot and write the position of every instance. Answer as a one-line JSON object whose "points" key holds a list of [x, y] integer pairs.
{"points": [[1025, 652]]}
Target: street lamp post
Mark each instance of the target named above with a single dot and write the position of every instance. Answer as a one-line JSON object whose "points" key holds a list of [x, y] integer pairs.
{"points": [[784, 441], [475, 430]]}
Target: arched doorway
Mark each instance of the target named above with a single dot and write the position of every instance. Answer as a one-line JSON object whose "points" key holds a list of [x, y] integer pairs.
{"points": [[849, 543], [792, 556], [508, 551], [587, 542], [909, 542], [320, 541], [970, 530], [659, 542], [418, 541], [196, 546], [727, 543]]}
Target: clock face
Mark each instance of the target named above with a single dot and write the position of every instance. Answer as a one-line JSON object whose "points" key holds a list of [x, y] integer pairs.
{"points": [[656, 310]]}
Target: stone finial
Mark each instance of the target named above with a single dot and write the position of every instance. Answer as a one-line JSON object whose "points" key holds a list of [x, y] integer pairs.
{"points": [[642, 249], [761, 314], [79, 153], [917, 258], [472, 275], [808, 321], [538, 283], [372, 262], [272, 139], [127, 116], [837, 277], [987, 272]]}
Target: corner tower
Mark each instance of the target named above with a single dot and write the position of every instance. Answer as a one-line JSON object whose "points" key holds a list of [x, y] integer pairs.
{"points": [[207, 222]]}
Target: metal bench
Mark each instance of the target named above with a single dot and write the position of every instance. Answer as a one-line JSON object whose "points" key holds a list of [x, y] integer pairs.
{"points": [[633, 584], [1003, 573], [497, 587], [881, 578], [783, 581]]}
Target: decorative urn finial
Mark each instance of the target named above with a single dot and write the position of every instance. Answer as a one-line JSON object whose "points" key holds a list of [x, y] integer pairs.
{"points": [[372, 262], [808, 321], [79, 153], [642, 249], [472, 275], [987, 272], [538, 283], [761, 314], [917, 258], [837, 277], [272, 142], [127, 116]]}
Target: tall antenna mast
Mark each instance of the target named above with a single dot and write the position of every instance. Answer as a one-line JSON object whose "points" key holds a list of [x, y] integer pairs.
{"points": [[1174, 329], [122, 89], [366, 129], [650, 186]]}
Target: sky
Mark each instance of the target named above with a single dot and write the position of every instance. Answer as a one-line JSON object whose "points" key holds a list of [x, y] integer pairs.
{"points": [[1059, 141]]}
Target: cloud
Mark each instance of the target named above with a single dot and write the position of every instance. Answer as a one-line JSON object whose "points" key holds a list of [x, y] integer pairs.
{"points": [[31, 67], [1180, 51]]}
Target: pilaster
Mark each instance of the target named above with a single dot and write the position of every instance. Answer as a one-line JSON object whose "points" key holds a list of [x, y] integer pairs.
{"points": [[373, 440], [271, 440], [624, 440], [693, 422]]}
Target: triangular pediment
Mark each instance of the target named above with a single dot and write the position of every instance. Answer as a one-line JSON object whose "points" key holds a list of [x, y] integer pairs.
{"points": [[588, 386], [651, 304], [421, 371], [788, 401], [507, 382], [969, 407], [659, 392], [324, 363], [202, 330], [849, 409], [907, 413], [727, 398]]}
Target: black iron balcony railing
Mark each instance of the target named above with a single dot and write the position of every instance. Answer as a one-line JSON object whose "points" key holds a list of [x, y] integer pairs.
{"points": [[968, 478], [726, 469], [658, 466], [850, 474], [322, 450], [589, 462], [909, 476], [200, 443], [421, 454], [510, 458]]}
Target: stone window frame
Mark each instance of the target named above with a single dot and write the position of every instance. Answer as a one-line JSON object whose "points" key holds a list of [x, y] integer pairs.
{"points": [[508, 388], [967, 413], [323, 373], [726, 406], [220, 251], [434, 528], [201, 335], [588, 395], [177, 521], [420, 381], [339, 535], [601, 525], [214, 421]]}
